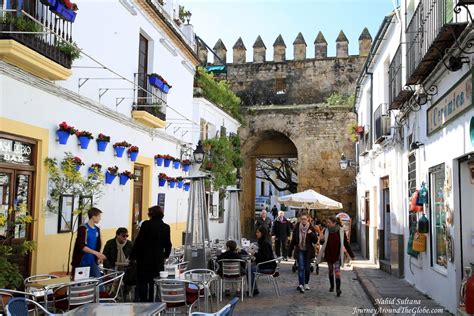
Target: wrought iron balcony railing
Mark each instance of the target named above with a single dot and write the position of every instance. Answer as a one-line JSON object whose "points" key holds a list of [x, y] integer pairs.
{"points": [[153, 100], [381, 123], [18, 26], [431, 31]]}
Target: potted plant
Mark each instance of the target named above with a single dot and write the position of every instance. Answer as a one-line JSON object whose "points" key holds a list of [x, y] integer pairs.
{"points": [[102, 142], [110, 174], [64, 132], [65, 9], [84, 138], [159, 160], [76, 162], [156, 80], [94, 170], [133, 153], [185, 163], [180, 182], [125, 176], [172, 182], [176, 163], [168, 160], [120, 148], [162, 178], [187, 185]]}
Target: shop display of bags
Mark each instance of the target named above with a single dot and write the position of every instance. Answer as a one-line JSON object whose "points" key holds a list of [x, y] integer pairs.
{"points": [[423, 225], [414, 207], [419, 242]]}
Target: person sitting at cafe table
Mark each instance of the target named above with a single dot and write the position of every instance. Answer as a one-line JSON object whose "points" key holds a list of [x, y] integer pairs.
{"points": [[232, 254], [117, 249], [87, 246]]}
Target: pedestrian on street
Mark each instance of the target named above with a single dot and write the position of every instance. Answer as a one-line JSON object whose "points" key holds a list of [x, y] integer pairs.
{"points": [[281, 230], [88, 244], [151, 248], [264, 221], [302, 246], [335, 240], [264, 253], [274, 211]]}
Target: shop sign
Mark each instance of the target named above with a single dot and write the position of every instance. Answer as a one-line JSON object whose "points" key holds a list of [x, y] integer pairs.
{"points": [[16, 152], [450, 105]]}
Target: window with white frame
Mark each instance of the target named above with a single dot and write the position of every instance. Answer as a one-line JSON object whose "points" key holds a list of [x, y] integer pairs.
{"points": [[438, 217]]}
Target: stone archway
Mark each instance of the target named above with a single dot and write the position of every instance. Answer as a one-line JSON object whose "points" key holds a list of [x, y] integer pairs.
{"points": [[315, 135]]}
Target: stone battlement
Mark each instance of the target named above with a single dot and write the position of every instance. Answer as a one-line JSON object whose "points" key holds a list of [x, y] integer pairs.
{"points": [[239, 51]]}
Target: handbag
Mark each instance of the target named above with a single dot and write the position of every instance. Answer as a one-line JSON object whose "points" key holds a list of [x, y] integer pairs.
{"points": [[422, 195], [423, 225], [414, 207], [410, 250], [419, 242]]}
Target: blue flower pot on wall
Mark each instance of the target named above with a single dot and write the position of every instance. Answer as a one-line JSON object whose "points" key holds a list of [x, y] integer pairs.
{"points": [[109, 178], [167, 163], [162, 182], [101, 145], [176, 164], [180, 184], [187, 186], [123, 179], [185, 168], [119, 150], [78, 167], [62, 11], [159, 161], [92, 171], [84, 141], [63, 136], [165, 88], [133, 155], [156, 82], [172, 184]]}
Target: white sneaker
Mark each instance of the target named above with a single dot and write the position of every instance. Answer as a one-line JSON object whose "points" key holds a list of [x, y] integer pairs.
{"points": [[301, 288], [306, 287]]}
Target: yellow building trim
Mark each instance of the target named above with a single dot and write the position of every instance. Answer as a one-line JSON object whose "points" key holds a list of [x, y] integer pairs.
{"points": [[150, 11], [148, 119], [177, 230], [27, 59]]}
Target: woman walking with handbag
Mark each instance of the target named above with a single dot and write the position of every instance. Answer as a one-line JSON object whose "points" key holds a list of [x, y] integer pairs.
{"points": [[303, 240], [335, 241]]}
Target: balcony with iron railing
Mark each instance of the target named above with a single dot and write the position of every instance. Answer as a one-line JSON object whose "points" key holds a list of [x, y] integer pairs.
{"points": [[33, 37], [397, 95], [149, 106], [381, 123], [432, 30]]}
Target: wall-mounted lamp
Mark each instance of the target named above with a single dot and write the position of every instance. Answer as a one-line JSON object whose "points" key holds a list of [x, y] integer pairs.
{"points": [[344, 162], [199, 153], [455, 62], [415, 145]]}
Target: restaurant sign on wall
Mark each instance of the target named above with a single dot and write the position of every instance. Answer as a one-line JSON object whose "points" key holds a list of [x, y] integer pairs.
{"points": [[16, 152], [457, 100]]}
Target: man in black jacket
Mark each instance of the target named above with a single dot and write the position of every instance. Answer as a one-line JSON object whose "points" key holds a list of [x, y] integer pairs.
{"points": [[151, 248], [281, 231], [117, 249]]}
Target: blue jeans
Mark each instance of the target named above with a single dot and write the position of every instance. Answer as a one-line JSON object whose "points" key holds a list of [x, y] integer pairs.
{"points": [[303, 267]]}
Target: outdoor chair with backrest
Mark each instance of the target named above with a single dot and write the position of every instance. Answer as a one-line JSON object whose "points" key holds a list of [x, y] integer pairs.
{"points": [[110, 285], [233, 271], [206, 279], [71, 295], [271, 277], [6, 295], [20, 306], [227, 310], [37, 278], [176, 294]]}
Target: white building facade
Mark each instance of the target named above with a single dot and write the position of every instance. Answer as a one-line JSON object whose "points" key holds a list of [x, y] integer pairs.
{"points": [[415, 103]]}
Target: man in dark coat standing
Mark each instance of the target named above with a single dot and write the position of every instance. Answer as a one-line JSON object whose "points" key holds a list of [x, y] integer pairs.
{"points": [[150, 249], [264, 221], [281, 231]]}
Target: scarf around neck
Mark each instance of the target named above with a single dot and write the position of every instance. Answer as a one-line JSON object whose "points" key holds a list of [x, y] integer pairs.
{"points": [[303, 232], [334, 229], [120, 254]]}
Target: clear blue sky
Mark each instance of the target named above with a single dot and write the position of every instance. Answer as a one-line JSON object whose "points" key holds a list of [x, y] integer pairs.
{"points": [[229, 19]]}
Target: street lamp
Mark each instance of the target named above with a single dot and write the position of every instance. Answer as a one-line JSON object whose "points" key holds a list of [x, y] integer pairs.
{"points": [[199, 153], [344, 162]]}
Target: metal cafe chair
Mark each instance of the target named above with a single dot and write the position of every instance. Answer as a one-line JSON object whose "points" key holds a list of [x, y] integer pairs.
{"points": [[233, 271], [20, 306], [37, 278], [74, 294], [6, 295], [205, 278], [113, 282], [175, 293], [269, 276]]}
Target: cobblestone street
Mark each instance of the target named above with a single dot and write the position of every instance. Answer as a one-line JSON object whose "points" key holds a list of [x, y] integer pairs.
{"points": [[317, 301]]}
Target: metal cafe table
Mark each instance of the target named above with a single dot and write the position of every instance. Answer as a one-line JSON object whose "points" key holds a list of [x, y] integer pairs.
{"points": [[100, 309]]}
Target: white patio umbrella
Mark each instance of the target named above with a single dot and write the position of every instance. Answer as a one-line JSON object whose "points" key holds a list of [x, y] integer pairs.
{"points": [[310, 199]]}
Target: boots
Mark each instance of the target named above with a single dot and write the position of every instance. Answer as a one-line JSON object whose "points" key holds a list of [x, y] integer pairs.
{"points": [[331, 282], [338, 287]]}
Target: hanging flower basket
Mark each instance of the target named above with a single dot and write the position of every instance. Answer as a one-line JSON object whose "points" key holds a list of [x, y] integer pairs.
{"points": [[84, 142], [187, 186], [133, 153], [61, 10], [171, 183], [110, 174], [94, 170], [78, 167], [176, 164], [125, 176], [162, 182], [167, 163], [180, 184], [64, 132], [166, 88], [159, 161], [120, 148], [102, 142], [185, 163], [156, 82]]}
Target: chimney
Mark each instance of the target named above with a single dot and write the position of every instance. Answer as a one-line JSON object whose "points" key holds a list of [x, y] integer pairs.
{"points": [[259, 51], [239, 52], [320, 46], [279, 50], [202, 52], [221, 51], [342, 45], [299, 47], [365, 42]]}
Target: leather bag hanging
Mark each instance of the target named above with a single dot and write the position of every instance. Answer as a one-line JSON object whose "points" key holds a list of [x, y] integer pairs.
{"points": [[423, 225], [419, 242], [414, 207], [410, 250]]}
